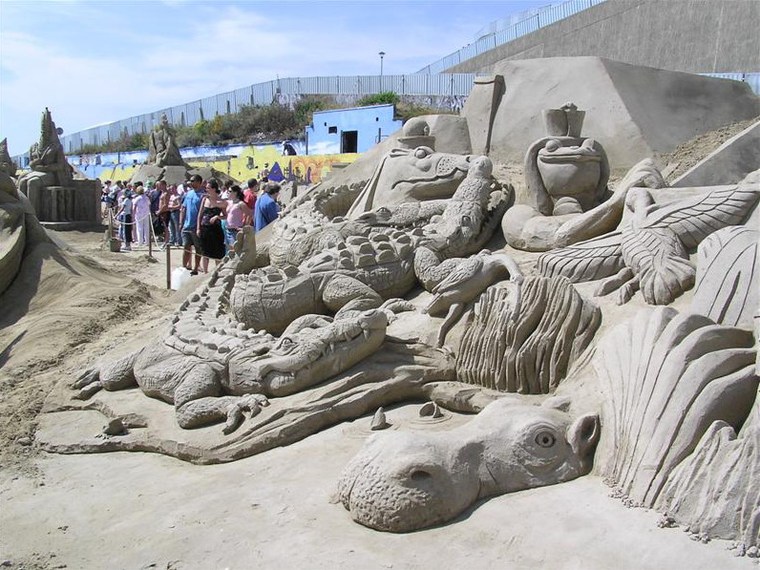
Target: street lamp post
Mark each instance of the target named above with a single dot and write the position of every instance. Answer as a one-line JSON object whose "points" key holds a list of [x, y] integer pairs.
{"points": [[382, 55]]}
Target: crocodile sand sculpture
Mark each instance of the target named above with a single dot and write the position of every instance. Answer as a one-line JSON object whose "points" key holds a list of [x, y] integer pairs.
{"points": [[351, 264], [212, 370]]}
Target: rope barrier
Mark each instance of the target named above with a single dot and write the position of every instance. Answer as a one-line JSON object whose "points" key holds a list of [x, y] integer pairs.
{"points": [[113, 221]]}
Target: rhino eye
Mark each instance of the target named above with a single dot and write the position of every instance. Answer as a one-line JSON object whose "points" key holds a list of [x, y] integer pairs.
{"points": [[545, 439]]}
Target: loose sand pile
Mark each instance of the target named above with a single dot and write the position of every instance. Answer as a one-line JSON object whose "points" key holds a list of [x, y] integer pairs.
{"points": [[136, 510]]}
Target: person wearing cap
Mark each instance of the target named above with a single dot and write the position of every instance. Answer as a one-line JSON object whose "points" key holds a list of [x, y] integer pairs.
{"points": [[188, 217], [267, 208]]}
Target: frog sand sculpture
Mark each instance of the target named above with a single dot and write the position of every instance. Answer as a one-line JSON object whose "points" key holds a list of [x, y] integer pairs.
{"points": [[566, 177]]}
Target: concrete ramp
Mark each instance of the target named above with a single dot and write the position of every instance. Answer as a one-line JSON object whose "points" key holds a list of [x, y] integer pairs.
{"points": [[633, 111]]}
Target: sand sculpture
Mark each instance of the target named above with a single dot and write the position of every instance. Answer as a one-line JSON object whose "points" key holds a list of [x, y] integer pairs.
{"points": [[162, 148], [378, 293], [651, 250], [329, 318], [566, 176], [6, 163], [165, 162], [50, 185], [401, 482]]}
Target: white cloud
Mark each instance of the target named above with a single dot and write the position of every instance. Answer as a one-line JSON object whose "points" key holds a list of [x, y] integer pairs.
{"points": [[119, 66]]}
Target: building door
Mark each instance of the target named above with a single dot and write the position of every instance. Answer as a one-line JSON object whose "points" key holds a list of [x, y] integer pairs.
{"points": [[349, 141]]}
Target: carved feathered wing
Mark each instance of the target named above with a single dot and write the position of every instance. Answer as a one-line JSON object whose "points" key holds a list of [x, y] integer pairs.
{"points": [[660, 261], [694, 219], [656, 250], [586, 260]]}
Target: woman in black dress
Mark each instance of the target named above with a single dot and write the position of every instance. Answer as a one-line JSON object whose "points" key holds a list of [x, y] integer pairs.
{"points": [[213, 211]]}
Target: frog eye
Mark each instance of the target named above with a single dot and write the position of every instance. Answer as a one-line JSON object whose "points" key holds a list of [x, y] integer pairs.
{"points": [[545, 439], [552, 145]]}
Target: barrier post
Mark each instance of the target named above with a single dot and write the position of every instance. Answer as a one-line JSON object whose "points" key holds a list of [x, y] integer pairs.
{"points": [[168, 266]]}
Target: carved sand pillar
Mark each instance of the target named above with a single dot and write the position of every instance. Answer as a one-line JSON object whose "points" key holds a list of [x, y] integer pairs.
{"points": [[485, 96]]}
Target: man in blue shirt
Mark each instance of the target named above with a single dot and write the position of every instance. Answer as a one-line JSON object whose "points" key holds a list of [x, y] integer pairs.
{"points": [[188, 221], [267, 207]]}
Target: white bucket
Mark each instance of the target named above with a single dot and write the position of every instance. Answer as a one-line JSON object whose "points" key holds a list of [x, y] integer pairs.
{"points": [[180, 277]]}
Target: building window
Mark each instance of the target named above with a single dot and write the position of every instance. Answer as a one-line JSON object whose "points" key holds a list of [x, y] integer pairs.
{"points": [[332, 130]]}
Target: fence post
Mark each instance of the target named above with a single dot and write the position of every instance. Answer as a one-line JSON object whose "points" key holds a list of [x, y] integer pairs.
{"points": [[168, 266]]}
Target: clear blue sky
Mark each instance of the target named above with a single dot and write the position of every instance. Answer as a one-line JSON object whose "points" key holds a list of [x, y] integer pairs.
{"points": [[95, 62]]}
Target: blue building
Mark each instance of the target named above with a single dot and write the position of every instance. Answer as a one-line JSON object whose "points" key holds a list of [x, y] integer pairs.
{"points": [[350, 130]]}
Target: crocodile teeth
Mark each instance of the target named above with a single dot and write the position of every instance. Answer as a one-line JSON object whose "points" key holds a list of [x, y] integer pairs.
{"points": [[365, 332], [332, 347]]}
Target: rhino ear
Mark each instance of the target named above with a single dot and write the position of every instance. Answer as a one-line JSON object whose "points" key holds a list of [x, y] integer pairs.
{"points": [[561, 403], [583, 434]]}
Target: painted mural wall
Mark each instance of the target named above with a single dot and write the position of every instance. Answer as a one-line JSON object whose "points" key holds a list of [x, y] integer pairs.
{"points": [[241, 162]]}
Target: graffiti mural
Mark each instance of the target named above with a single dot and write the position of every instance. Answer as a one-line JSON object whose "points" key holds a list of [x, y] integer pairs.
{"points": [[241, 162]]}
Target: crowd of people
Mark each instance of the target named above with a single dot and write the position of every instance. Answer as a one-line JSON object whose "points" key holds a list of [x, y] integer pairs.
{"points": [[202, 217]]}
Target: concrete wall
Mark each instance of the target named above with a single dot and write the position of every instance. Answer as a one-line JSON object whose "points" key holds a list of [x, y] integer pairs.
{"points": [[697, 36]]}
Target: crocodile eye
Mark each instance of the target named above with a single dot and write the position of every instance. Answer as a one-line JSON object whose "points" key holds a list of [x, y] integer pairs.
{"points": [[545, 439], [421, 152], [552, 145]]}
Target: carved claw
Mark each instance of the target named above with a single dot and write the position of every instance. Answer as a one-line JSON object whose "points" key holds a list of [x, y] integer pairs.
{"points": [[396, 305], [627, 291], [251, 403], [87, 377], [88, 384], [89, 391], [614, 282]]}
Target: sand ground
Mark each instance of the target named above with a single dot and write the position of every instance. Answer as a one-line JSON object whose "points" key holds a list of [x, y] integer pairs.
{"points": [[275, 510]]}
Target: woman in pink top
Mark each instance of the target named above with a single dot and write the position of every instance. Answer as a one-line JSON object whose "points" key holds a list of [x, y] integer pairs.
{"points": [[238, 215]]}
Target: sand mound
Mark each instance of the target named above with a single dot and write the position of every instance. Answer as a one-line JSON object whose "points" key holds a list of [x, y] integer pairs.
{"points": [[59, 303]]}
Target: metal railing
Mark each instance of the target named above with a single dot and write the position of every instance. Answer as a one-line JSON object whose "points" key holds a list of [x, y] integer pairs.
{"points": [[439, 91], [540, 19]]}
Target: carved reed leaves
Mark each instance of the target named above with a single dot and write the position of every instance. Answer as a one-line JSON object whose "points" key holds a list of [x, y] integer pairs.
{"points": [[529, 354]]}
